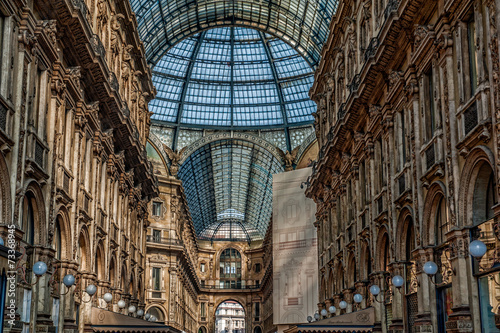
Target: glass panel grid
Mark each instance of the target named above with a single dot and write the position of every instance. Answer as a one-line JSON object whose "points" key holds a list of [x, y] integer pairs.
{"points": [[228, 187], [224, 77]]}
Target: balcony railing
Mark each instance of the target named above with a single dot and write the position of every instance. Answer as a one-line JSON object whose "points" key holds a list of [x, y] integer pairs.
{"points": [[163, 241], [470, 118], [246, 287], [292, 244]]}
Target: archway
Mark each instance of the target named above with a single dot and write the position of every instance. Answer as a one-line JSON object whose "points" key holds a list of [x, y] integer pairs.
{"points": [[157, 313], [230, 318]]}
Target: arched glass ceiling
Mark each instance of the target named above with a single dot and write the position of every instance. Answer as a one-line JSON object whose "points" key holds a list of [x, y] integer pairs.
{"points": [[228, 186], [232, 77], [303, 23]]}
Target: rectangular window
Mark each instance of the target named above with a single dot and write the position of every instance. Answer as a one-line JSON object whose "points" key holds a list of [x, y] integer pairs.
{"points": [[445, 304], [404, 153], [257, 311], [430, 116], [203, 309], [55, 313], [157, 208], [156, 278], [203, 283], [156, 236], [202, 268], [472, 52]]}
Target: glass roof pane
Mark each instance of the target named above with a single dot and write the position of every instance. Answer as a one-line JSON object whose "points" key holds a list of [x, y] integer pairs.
{"points": [[228, 184], [232, 77]]}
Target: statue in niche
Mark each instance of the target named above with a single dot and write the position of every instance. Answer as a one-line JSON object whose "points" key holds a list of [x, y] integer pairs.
{"points": [[115, 35], [102, 16]]}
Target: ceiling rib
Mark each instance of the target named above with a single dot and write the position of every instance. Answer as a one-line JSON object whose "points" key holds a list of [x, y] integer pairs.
{"points": [[189, 72]]}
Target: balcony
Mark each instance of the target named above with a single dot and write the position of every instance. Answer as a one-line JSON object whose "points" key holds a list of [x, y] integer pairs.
{"points": [[164, 241], [237, 287], [292, 244]]}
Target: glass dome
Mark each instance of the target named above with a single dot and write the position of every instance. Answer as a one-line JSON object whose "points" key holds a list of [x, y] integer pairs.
{"points": [[232, 78]]}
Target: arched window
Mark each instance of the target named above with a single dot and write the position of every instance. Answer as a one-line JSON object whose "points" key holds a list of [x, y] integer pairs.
{"points": [[230, 269], [339, 281], [82, 253], [158, 313], [484, 195], [442, 226], [123, 282], [29, 220], [384, 263], [99, 264], [131, 286], [411, 298], [366, 259], [352, 272], [57, 238], [112, 272]]}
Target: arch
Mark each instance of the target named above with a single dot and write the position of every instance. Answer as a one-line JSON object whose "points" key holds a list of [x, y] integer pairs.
{"points": [[261, 142], [365, 260], [257, 329], [83, 253], [351, 270], [112, 270], [139, 289], [436, 191], [62, 221], [307, 149], [157, 145], [330, 284], [230, 264], [123, 279], [233, 308], [339, 281], [323, 291], [5, 195], [236, 299], [473, 163], [383, 249], [34, 195], [484, 195], [100, 261], [158, 311], [131, 287], [202, 329], [405, 221]]}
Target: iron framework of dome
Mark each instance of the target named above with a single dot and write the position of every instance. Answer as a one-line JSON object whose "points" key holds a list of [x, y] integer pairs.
{"points": [[232, 78], [304, 24], [228, 186]]}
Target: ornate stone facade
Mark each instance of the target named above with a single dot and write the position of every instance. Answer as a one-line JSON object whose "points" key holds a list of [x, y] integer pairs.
{"points": [[408, 100], [74, 176]]}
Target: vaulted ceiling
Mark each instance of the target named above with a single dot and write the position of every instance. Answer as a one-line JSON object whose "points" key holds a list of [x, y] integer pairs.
{"points": [[304, 24], [228, 185]]}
